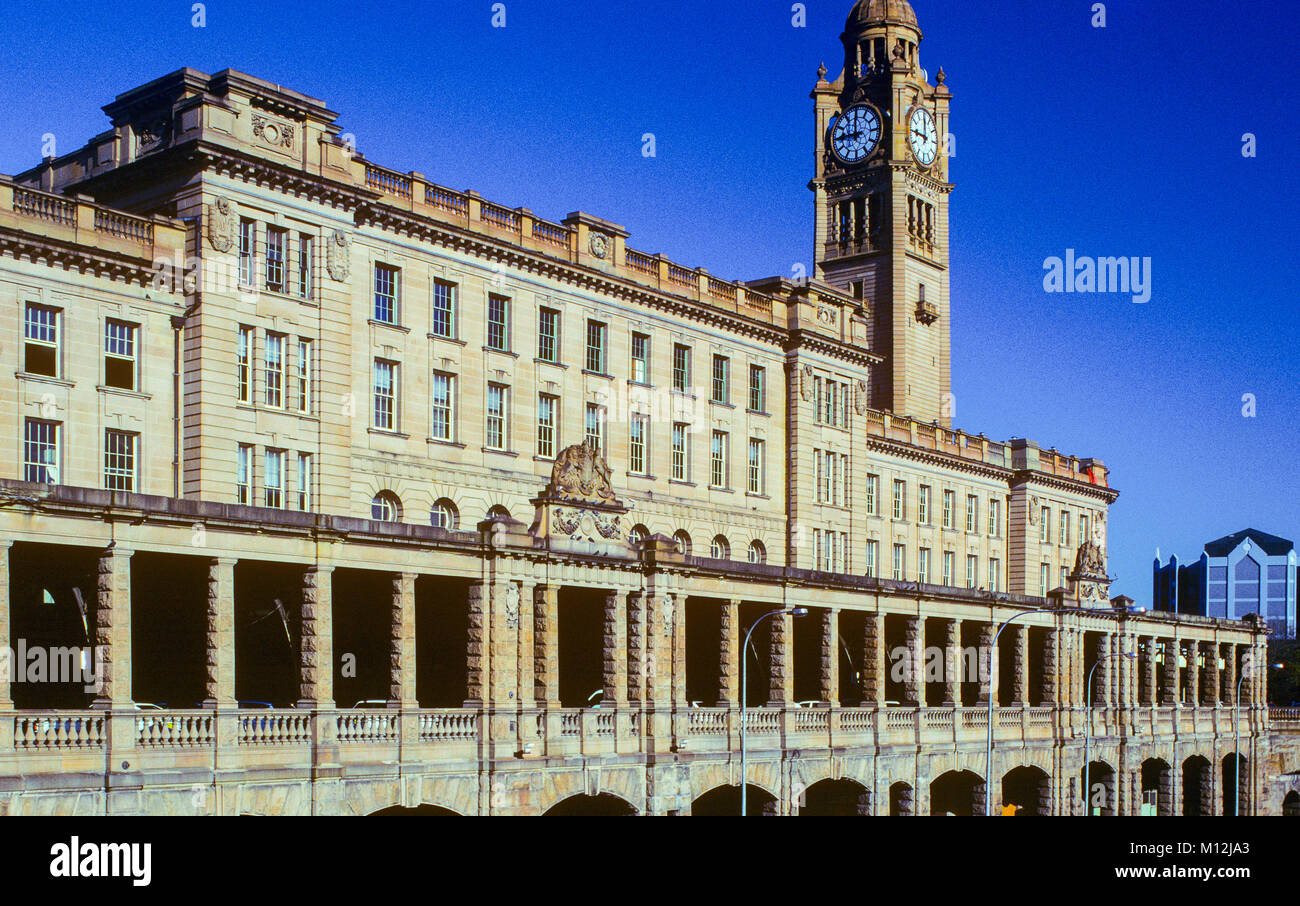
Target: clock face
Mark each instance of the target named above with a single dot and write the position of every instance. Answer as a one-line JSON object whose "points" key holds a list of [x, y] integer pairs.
{"points": [[923, 137], [855, 134]]}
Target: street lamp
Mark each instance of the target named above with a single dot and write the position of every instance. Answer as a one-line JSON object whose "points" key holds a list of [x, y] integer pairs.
{"points": [[744, 695], [1087, 731], [1236, 743]]}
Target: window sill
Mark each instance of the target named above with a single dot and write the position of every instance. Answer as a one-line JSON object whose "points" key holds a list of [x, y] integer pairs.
{"points": [[442, 339], [444, 443], [510, 453], [599, 374], [681, 481], [388, 324], [757, 496], [721, 404], [44, 379], [122, 391], [385, 432], [550, 459], [717, 490], [644, 476], [761, 412], [684, 394], [632, 383], [541, 361], [513, 355]]}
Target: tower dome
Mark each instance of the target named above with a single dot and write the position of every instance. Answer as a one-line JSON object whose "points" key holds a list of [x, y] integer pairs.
{"points": [[866, 13]]}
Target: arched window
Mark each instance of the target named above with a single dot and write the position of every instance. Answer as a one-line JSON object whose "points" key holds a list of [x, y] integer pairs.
{"points": [[444, 515], [498, 512], [638, 534], [683, 542], [386, 507], [757, 552], [720, 549]]}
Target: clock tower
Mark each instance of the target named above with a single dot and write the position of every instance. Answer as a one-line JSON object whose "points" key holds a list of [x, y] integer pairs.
{"points": [[881, 195]]}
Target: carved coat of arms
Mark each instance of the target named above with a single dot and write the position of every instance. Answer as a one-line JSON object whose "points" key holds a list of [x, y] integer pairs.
{"points": [[806, 382], [581, 474], [222, 223], [338, 256]]}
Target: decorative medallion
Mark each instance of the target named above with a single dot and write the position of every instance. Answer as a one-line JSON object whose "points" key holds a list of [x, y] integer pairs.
{"points": [[599, 245], [222, 224], [826, 314], [338, 256], [275, 134]]}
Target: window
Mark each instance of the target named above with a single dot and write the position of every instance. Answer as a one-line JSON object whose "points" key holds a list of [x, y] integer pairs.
{"points": [[972, 570], [640, 358], [757, 388], [548, 334], [721, 379], [119, 461], [247, 237], [948, 558], [119, 354], [498, 336], [444, 515], [244, 474], [719, 548], [442, 392], [995, 518], [1045, 525], [923, 565], [1245, 586], [637, 428], [681, 368], [497, 402], [302, 395], [276, 240], [923, 505], [243, 368], [546, 406], [718, 473], [444, 310], [900, 499], [1083, 528], [831, 402], [387, 287], [995, 573], [972, 513], [385, 395], [757, 552], [873, 494], [755, 466], [303, 501], [1217, 584], [1044, 579], [274, 478], [900, 557], [1065, 528], [873, 552], [594, 421], [679, 451], [41, 340], [683, 541], [596, 332], [386, 507], [275, 370], [305, 242], [1065, 577], [949, 508], [41, 451]]}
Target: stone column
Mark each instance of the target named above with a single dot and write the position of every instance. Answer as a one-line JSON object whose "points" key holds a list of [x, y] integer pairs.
{"points": [[951, 662], [873, 660], [659, 643], [1229, 674], [1210, 684], [526, 674], [829, 690], [1151, 690], [1051, 639], [1192, 675], [1100, 694], [913, 674], [636, 645], [401, 642], [546, 645], [677, 636], [478, 655], [729, 654], [113, 629], [987, 662], [6, 621], [1020, 661], [219, 661], [614, 650], [781, 659], [316, 643]]}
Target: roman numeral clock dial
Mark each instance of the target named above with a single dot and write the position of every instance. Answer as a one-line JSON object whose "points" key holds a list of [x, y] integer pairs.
{"points": [[923, 137], [855, 134]]}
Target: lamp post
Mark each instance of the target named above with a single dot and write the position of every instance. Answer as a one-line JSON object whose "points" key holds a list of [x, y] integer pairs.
{"points": [[1236, 742], [1087, 731], [744, 696]]}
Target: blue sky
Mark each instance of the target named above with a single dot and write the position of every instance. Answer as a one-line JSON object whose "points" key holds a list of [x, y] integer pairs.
{"points": [[1123, 140]]}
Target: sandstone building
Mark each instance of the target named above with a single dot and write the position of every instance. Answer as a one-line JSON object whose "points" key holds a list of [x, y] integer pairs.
{"points": [[375, 488]]}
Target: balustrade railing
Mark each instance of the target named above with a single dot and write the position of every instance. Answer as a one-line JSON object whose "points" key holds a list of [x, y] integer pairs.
{"points": [[500, 217], [446, 200], [455, 725], [288, 727], [45, 206], [641, 263], [549, 232], [388, 181], [51, 731], [125, 226], [707, 722], [366, 726], [174, 729]]}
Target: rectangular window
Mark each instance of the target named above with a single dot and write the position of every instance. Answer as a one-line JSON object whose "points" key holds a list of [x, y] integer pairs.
{"points": [[119, 460], [594, 421], [1065, 527], [972, 513], [995, 574], [900, 499], [949, 506], [276, 240], [41, 340], [636, 444], [443, 323], [243, 364], [1045, 525], [498, 399], [995, 518], [244, 474], [546, 406], [873, 494], [274, 478], [681, 368], [900, 559], [302, 380], [41, 451], [818, 406], [1044, 579], [385, 395], [721, 379], [1083, 528], [548, 334], [247, 238], [972, 571], [275, 370], [923, 565], [387, 288], [1065, 577], [819, 550], [640, 358], [303, 501], [719, 473], [305, 244], [755, 466], [442, 392], [923, 505], [819, 475], [498, 333], [948, 558], [757, 388], [119, 354], [596, 332], [873, 551], [679, 451]]}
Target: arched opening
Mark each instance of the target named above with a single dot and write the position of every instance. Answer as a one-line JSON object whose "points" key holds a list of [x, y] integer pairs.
{"points": [[683, 540], [417, 810], [1157, 788], [957, 793], [498, 512], [829, 798], [902, 802], [604, 805], [1291, 805], [720, 548], [386, 507], [1236, 775], [637, 534], [1099, 788], [1197, 796], [725, 801], [444, 515], [757, 552], [1026, 791]]}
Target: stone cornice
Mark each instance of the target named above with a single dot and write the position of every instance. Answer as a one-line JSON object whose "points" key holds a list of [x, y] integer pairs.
{"points": [[1070, 485], [98, 262], [938, 458]]}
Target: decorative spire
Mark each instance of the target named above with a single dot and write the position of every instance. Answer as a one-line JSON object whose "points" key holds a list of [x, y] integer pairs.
{"points": [[940, 77], [821, 72]]}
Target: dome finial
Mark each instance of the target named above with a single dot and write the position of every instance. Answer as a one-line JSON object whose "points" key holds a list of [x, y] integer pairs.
{"points": [[821, 72]]}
